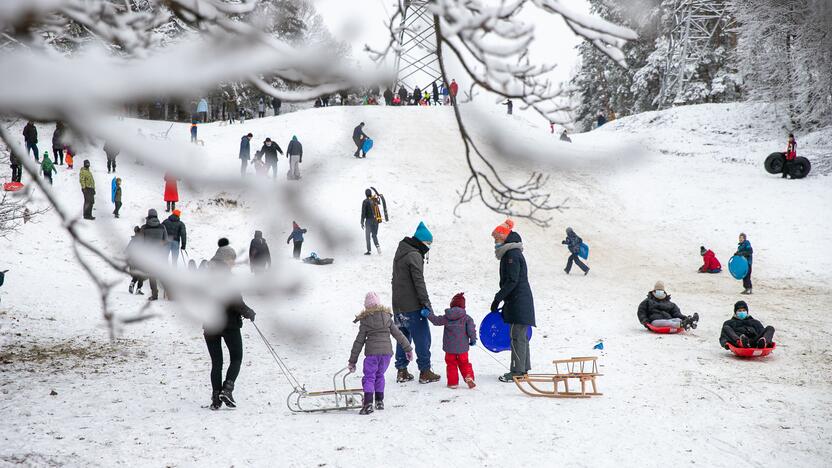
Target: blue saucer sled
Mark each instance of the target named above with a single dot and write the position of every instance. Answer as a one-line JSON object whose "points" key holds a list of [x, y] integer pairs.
{"points": [[367, 146], [738, 266], [495, 334]]}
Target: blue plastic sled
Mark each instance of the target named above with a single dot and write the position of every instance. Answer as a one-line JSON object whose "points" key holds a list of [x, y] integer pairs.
{"points": [[583, 251], [495, 334], [368, 145], [738, 266], [113, 191]]}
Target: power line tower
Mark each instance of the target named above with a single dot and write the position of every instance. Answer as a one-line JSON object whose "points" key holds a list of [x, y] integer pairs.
{"points": [[416, 61], [697, 26]]}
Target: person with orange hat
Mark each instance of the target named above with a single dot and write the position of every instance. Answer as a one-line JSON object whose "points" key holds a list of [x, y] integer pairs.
{"points": [[516, 295], [177, 235]]}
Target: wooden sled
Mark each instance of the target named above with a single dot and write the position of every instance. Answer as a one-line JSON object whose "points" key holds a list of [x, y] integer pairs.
{"points": [[582, 369], [338, 399]]}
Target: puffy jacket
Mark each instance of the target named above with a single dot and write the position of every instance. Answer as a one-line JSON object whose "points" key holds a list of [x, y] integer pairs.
{"points": [[410, 294], [295, 148], [270, 151], [734, 327], [57, 137], [245, 148], [358, 133], [235, 310], [171, 189], [710, 262], [30, 133], [744, 249], [110, 151], [654, 309], [367, 211], [85, 176], [258, 250], [459, 330], [515, 291], [573, 242], [296, 235], [376, 327], [791, 151], [176, 230], [153, 232]]}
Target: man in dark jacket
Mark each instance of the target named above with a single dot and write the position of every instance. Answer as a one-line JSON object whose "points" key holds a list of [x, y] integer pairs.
{"points": [[58, 143], [743, 331], [30, 135], [17, 171], [270, 150], [516, 295], [369, 223], [659, 311], [388, 97], [245, 152], [410, 297], [155, 238], [358, 137], [744, 249], [403, 95], [111, 153], [573, 243], [296, 236], [276, 105], [177, 235], [295, 154], [434, 92], [259, 257]]}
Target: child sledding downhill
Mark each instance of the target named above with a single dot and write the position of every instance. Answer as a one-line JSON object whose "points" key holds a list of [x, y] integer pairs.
{"points": [[744, 331], [460, 334], [376, 326], [658, 310]]}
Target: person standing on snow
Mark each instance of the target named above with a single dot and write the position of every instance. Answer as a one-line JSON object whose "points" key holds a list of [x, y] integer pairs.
{"points": [[454, 89], [509, 106], [791, 154], [417, 96], [573, 243], [259, 257], [155, 238], [297, 237], [659, 311], [516, 295], [261, 108], [245, 152], [358, 137], [434, 91], [270, 150], [17, 171], [30, 135], [711, 264], [226, 328], [459, 335], [403, 95], [564, 136], [744, 331], [744, 250], [295, 154], [133, 249], [410, 298], [600, 120], [117, 197], [276, 105], [47, 167], [446, 99], [202, 110], [111, 152], [58, 143], [369, 222], [87, 188], [193, 131], [171, 193], [177, 235], [388, 97]]}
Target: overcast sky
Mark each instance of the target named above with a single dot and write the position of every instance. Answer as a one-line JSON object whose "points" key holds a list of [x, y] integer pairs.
{"points": [[365, 21]]}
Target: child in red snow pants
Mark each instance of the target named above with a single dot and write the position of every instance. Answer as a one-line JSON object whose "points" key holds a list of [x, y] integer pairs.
{"points": [[456, 364]]}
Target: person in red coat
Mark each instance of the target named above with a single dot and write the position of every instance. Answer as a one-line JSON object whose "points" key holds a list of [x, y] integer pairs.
{"points": [[791, 154], [710, 263], [454, 89], [171, 193]]}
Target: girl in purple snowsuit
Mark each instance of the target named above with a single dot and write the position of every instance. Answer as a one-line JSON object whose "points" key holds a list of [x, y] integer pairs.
{"points": [[374, 336]]}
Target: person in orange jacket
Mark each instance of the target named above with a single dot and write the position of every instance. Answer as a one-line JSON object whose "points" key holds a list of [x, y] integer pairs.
{"points": [[711, 264]]}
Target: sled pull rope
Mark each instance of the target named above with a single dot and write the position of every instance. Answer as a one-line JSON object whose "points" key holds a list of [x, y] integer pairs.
{"points": [[284, 369], [492, 357]]}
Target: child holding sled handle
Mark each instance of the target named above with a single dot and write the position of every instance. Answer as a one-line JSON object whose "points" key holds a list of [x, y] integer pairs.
{"points": [[376, 326], [460, 334]]}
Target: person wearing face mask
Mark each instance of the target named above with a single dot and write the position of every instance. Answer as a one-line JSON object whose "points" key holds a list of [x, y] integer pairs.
{"points": [[744, 331], [516, 295], [658, 310]]}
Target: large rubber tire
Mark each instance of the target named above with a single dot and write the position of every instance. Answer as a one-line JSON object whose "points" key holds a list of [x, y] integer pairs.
{"points": [[774, 163], [800, 168]]}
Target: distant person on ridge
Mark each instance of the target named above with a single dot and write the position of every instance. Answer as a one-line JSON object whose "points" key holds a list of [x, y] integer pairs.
{"points": [[245, 152]]}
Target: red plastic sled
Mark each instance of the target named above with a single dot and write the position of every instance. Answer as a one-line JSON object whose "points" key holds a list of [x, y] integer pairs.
{"points": [[751, 352], [664, 330], [12, 186]]}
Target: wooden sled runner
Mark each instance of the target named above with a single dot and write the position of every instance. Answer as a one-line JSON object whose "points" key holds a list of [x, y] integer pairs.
{"points": [[337, 399], [581, 369]]}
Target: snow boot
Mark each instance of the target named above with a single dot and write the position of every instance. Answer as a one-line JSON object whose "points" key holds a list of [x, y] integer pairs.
{"points": [[226, 396], [368, 253], [139, 292], [379, 401], [403, 375], [508, 377], [130, 288], [378, 249], [762, 342], [470, 382], [153, 298], [586, 272], [216, 403], [367, 407], [427, 376]]}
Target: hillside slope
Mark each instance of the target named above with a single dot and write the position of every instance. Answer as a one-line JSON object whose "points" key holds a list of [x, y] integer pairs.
{"points": [[136, 401]]}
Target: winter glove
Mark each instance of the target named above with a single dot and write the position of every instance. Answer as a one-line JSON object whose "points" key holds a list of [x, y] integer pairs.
{"points": [[351, 366], [472, 342], [409, 355], [495, 305], [249, 314], [425, 312]]}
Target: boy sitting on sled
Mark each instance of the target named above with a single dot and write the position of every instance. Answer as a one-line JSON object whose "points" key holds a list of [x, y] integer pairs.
{"points": [[659, 311], [744, 331]]}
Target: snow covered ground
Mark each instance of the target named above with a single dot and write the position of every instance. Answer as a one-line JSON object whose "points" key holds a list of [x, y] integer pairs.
{"points": [[668, 400]]}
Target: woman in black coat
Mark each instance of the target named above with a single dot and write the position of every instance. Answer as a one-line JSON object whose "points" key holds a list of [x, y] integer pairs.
{"points": [[516, 295]]}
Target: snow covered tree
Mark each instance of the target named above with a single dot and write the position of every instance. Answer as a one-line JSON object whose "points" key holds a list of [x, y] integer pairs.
{"points": [[785, 53]]}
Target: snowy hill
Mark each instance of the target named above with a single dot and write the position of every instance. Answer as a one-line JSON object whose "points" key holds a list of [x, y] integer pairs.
{"points": [[698, 182]]}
